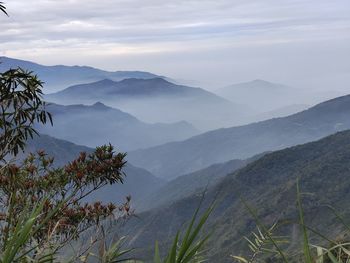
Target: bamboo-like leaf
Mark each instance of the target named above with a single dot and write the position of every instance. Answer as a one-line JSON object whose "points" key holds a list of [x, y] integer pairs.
{"points": [[306, 245], [333, 258], [3, 8], [188, 250], [21, 233], [240, 259], [172, 255], [156, 253], [263, 228]]}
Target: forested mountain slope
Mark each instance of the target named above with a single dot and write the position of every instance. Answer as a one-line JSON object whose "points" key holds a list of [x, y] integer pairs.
{"points": [[269, 185]]}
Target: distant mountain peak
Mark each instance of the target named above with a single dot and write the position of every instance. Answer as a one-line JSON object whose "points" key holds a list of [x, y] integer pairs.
{"points": [[157, 80], [100, 105], [261, 81], [256, 85]]}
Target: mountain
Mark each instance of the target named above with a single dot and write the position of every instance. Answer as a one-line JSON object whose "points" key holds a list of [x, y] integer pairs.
{"points": [[268, 100], [98, 124], [196, 182], [176, 158], [116, 90], [268, 185], [138, 182], [156, 100], [261, 95], [59, 77]]}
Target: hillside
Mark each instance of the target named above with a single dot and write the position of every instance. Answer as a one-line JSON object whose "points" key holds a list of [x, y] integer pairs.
{"points": [[138, 182], [268, 184], [196, 182], [173, 159], [98, 124], [156, 100], [59, 77]]}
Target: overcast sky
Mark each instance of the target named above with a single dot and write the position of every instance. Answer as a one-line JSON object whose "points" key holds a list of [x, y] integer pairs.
{"points": [[303, 43]]}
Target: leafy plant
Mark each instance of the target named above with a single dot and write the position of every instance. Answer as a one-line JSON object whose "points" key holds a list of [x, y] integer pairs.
{"points": [[3, 8], [306, 244], [21, 106], [260, 244], [337, 253], [190, 248], [113, 252]]}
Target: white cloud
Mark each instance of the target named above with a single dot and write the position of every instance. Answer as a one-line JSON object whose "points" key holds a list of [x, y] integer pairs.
{"points": [[200, 36]]}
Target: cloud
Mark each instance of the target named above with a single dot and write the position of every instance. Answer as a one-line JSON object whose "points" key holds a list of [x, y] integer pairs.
{"points": [[168, 36]]}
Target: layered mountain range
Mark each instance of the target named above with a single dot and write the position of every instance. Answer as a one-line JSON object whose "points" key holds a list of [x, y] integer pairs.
{"points": [[157, 100], [97, 124], [176, 158], [171, 164], [60, 76]]}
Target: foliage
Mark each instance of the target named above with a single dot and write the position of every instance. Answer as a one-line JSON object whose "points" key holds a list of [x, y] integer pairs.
{"points": [[111, 253], [21, 106], [339, 252], [15, 248], [35, 180], [261, 244], [189, 249], [3, 8]]}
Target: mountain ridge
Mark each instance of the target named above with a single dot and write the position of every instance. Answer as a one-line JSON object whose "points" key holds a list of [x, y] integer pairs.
{"points": [[57, 77], [97, 124], [244, 141], [123, 86], [156, 100]]}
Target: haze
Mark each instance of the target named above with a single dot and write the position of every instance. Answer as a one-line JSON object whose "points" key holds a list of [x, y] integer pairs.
{"points": [[304, 44]]}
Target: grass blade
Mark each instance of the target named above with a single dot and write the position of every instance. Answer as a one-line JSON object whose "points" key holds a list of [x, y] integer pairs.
{"points": [[306, 245]]}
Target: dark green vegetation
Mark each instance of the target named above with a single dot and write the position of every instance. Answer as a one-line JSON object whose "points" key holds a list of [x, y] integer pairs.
{"points": [[268, 184], [97, 124], [172, 159], [59, 77]]}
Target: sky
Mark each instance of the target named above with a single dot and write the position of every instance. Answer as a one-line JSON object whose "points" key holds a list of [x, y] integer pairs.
{"points": [[211, 43]]}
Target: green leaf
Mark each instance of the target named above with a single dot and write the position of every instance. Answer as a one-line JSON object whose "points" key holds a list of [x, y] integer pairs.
{"points": [[306, 245]]}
